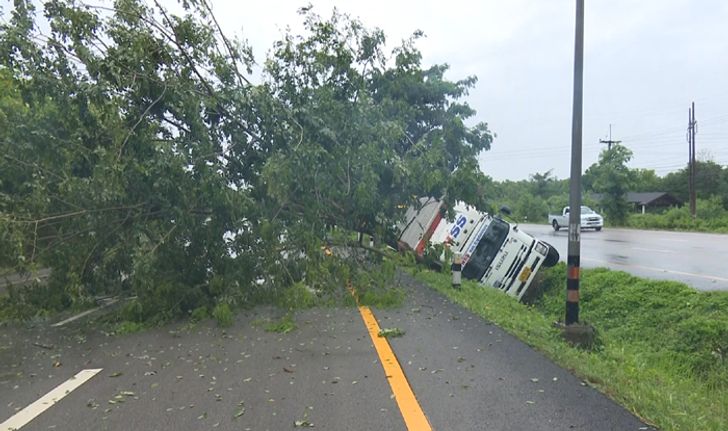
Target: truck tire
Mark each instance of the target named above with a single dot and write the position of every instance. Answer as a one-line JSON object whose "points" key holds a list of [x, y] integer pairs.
{"points": [[552, 257], [598, 228], [555, 225]]}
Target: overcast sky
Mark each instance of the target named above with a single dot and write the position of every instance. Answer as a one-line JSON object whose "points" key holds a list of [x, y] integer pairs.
{"points": [[645, 61]]}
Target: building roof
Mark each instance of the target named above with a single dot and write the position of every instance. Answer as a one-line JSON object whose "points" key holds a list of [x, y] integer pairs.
{"points": [[645, 198]]}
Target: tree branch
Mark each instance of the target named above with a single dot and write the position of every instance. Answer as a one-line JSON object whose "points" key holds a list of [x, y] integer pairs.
{"points": [[141, 118], [228, 46]]}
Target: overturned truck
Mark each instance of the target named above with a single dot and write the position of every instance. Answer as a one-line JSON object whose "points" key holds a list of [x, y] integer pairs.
{"points": [[494, 252]]}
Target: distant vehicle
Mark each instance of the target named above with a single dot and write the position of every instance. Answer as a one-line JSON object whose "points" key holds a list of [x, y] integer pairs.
{"points": [[494, 252], [590, 219]]}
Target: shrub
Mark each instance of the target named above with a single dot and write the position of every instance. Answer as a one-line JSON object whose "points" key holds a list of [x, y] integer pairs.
{"points": [[223, 315]]}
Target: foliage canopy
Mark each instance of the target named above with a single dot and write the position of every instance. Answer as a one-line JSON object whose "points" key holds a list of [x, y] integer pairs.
{"points": [[139, 158]]}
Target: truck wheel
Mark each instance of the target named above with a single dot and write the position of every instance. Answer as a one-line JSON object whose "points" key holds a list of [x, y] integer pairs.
{"points": [[556, 226], [598, 228], [552, 257]]}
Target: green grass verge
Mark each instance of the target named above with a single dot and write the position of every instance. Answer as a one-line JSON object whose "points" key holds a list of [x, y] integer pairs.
{"points": [[282, 325], [662, 351]]}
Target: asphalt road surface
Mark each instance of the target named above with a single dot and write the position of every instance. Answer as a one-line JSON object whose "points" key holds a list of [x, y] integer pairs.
{"points": [[465, 374], [13, 279], [697, 259]]}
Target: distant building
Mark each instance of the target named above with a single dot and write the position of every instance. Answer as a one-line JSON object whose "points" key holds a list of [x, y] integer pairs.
{"points": [[646, 201]]}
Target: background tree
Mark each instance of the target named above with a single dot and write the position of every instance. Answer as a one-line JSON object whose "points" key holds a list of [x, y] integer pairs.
{"points": [[710, 180], [613, 179], [543, 183], [646, 180]]}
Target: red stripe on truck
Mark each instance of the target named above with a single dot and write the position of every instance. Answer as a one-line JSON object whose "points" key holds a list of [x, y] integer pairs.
{"points": [[420, 250]]}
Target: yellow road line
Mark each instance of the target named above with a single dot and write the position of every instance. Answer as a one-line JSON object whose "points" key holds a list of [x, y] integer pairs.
{"points": [[412, 413]]}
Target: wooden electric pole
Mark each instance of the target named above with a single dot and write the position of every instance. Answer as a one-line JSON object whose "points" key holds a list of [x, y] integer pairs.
{"points": [[610, 141], [574, 250]]}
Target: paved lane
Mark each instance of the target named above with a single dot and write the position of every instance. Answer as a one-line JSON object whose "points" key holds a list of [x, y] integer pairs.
{"points": [[697, 259], [183, 377], [466, 373]]}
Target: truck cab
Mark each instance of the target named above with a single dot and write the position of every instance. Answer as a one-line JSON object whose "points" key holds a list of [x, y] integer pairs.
{"points": [[494, 252]]}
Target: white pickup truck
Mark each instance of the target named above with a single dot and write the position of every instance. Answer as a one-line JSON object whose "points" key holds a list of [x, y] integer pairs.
{"points": [[589, 219]]}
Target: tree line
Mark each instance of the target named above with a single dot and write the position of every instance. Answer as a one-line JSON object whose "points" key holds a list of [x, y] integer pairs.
{"points": [[611, 179]]}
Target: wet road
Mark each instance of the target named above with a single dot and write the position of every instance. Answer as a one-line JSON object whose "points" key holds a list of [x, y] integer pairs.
{"points": [[697, 259], [327, 373]]}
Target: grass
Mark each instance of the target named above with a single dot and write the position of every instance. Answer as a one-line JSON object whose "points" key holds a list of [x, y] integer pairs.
{"points": [[126, 327], [663, 350], [223, 315], [383, 298], [283, 325]]}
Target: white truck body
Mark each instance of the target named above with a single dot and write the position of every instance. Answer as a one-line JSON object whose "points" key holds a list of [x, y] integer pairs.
{"points": [[494, 252], [590, 219]]}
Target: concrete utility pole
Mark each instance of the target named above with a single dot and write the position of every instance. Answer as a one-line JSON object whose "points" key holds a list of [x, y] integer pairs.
{"points": [[692, 130], [610, 141], [574, 250]]}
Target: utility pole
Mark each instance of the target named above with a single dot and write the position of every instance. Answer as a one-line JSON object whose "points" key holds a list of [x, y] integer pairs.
{"points": [[692, 130], [610, 141], [574, 250]]}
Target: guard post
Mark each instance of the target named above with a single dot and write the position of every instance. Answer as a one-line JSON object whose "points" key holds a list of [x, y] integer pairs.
{"points": [[457, 267]]}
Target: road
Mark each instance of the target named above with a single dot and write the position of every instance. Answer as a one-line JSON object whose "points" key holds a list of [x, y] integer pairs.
{"points": [[13, 279], [697, 259], [463, 372]]}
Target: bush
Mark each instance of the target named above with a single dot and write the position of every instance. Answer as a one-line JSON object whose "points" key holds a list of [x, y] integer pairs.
{"points": [[199, 314], [223, 315], [35, 300], [297, 296], [711, 217]]}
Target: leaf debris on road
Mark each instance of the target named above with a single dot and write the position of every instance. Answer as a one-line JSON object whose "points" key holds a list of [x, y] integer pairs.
{"points": [[240, 411], [390, 332]]}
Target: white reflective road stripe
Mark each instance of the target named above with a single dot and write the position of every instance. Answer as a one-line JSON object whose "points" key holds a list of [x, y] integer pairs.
{"points": [[669, 271], [29, 413], [85, 313], [656, 250]]}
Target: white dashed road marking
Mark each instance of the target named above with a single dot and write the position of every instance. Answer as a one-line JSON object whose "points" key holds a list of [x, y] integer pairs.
{"points": [[29, 413], [668, 271], [85, 313]]}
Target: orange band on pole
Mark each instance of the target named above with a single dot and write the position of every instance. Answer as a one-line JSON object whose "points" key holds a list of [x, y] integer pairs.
{"points": [[573, 272], [572, 296]]}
